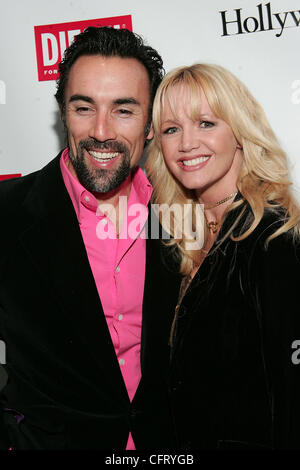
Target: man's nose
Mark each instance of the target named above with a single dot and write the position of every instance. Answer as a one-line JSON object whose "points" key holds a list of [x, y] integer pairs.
{"points": [[103, 128]]}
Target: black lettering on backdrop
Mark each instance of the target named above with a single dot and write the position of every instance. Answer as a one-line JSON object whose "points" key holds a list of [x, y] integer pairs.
{"points": [[234, 23]]}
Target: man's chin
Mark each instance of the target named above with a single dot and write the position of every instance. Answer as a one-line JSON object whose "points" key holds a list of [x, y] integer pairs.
{"points": [[103, 183], [95, 178]]}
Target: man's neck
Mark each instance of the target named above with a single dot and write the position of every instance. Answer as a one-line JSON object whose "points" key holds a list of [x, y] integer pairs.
{"points": [[112, 197], [111, 200]]}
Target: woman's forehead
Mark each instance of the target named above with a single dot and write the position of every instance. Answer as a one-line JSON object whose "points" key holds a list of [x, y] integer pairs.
{"points": [[182, 92], [180, 98]]}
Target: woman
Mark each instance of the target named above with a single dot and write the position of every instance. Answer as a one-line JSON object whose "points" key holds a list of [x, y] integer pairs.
{"points": [[234, 378]]}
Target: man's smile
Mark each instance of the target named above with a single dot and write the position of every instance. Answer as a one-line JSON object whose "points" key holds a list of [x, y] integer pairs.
{"points": [[103, 157]]}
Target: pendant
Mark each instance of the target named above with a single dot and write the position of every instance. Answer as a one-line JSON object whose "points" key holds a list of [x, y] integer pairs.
{"points": [[213, 226]]}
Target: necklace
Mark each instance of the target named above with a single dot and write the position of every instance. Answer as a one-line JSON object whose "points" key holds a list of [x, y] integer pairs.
{"points": [[213, 225], [211, 206]]}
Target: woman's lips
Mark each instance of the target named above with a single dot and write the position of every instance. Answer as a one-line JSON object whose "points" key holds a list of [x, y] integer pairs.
{"points": [[193, 163]]}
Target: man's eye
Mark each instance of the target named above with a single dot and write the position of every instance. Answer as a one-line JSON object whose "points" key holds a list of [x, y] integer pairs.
{"points": [[124, 111], [82, 109], [170, 130], [206, 124]]}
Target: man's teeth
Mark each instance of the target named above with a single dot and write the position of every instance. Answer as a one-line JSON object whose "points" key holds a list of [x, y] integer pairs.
{"points": [[194, 161], [103, 156]]}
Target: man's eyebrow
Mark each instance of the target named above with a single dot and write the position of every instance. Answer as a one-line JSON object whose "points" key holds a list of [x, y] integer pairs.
{"points": [[81, 98], [126, 101], [118, 101]]}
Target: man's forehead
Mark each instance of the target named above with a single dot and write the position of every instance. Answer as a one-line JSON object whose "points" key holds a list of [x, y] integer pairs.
{"points": [[116, 67], [92, 75]]}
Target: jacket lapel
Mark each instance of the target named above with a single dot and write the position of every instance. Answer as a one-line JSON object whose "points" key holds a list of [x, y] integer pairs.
{"points": [[54, 242], [162, 282]]}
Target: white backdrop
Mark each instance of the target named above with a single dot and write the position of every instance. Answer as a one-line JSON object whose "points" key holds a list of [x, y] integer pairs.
{"points": [[183, 31]]}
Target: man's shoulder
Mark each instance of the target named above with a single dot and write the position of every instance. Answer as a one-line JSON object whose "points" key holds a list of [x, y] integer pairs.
{"points": [[13, 191], [16, 187]]}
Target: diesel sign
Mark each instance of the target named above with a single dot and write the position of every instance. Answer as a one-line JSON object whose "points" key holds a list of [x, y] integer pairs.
{"points": [[264, 20], [52, 40]]}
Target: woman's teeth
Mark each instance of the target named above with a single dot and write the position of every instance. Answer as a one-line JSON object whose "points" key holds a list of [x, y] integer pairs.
{"points": [[194, 161]]}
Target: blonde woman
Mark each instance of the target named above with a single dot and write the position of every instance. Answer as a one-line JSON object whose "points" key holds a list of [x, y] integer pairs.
{"points": [[235, 362]]}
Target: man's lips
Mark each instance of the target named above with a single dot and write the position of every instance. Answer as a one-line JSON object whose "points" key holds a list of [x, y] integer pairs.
{"points": [[103, 156], [193, 163]]}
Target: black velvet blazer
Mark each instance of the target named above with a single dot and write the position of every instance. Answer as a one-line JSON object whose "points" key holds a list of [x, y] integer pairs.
{"points": [[235, 369], [65, 389]]}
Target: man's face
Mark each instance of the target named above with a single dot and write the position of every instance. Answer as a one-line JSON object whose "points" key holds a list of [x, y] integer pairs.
{"points": [[107, 103]]}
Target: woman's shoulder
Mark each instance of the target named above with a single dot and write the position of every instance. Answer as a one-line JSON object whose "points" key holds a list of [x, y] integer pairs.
{"points": [[272, 219], [260, 240], [284, 244]]}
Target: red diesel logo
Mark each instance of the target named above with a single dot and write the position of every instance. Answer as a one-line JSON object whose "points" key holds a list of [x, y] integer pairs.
{"points": [[52, 40], [11, 175]]}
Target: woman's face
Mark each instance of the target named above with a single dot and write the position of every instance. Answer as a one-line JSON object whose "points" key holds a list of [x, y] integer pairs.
{"points": [[202, 154]]}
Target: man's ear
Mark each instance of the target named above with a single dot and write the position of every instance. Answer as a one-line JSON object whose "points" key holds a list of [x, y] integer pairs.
{"points": [[60, 112], [149, 133]]}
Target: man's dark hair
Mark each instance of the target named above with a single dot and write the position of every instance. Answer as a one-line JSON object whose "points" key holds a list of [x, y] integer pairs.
{"points": [[110, 42]]}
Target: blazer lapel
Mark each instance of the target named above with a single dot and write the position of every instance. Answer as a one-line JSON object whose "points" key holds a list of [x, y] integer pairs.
{"points": [[162, 282], [54, 242]]}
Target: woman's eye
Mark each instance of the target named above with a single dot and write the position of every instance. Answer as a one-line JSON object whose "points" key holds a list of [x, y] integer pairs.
{"points": [[170, 130], [206, 124]]}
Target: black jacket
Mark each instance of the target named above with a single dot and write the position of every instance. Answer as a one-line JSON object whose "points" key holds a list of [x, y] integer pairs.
{"points": [[65, 389], [235, 372]]}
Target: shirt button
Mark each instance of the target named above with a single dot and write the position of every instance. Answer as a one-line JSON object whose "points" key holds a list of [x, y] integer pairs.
{"points": [[86, 198], [120, 317], [121, 362], [118, 269]]}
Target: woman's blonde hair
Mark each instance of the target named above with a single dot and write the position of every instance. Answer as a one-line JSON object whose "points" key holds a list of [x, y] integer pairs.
{"points": [[263, 181]]}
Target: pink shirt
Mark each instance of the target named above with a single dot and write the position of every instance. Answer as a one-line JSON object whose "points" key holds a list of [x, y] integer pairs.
{"points": [[118, 266]]}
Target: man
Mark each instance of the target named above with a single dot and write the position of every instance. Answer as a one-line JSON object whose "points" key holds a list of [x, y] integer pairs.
{"points": [[85, 315]]}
